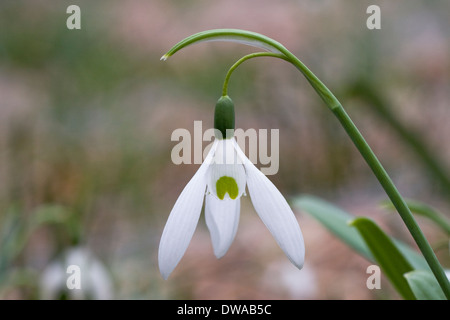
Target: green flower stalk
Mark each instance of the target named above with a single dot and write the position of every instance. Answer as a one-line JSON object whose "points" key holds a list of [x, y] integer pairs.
{"points": [[275, 49]]}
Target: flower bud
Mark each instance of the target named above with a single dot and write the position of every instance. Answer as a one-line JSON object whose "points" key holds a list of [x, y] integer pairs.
{"points": [[224, 118]]}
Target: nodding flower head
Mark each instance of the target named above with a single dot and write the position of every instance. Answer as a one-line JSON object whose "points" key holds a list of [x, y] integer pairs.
{"points": [[220, 182]]}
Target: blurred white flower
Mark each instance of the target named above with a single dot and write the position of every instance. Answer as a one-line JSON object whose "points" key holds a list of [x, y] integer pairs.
{"points": [[95, 281]]}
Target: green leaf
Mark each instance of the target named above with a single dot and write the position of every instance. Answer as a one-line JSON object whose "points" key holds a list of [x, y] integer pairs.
{"points": [[424, 285], [336, 221], [15, 230], [58, 215], [13, 236], [388, 256], [51, 214]]}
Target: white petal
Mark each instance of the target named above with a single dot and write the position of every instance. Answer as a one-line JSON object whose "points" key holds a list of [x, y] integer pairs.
{"points": [[275, 212], [226, 153], [183, 219], [222, 219], [226, 163]]}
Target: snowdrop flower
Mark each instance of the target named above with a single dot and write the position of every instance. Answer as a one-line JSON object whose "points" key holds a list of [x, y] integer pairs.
{"points": [[95, 280], [225, 173]]}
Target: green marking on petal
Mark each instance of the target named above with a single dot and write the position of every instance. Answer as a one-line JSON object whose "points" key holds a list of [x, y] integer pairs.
{"points": [[227, 184]]}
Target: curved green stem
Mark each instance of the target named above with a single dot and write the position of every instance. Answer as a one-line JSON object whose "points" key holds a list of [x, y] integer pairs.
{"points": [[278, 50], [245, 58]]}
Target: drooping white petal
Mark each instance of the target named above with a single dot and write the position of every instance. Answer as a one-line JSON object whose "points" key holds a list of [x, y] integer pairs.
{"points": [[226, 153], [183, 219], [222, 219], [275, 212]]}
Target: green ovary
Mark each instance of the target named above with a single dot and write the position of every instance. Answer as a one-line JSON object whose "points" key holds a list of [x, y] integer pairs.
{"points": [[227, 184]]}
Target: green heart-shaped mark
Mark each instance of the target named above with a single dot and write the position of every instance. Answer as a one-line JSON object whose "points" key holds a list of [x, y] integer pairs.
{"points": [[227, 184]]}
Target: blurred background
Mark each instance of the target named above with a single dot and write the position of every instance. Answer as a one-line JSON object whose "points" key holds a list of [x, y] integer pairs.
{"points": [[86, 118]]}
